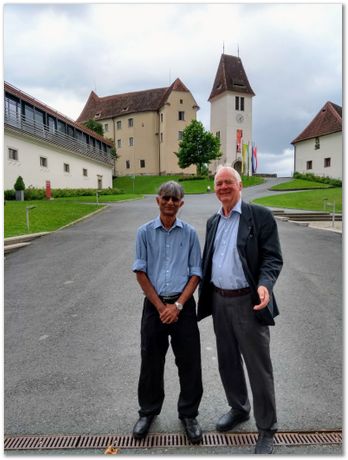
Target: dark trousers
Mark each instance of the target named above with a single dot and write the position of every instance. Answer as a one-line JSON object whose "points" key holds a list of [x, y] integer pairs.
{"points": [[185, 343], [238, 333]]}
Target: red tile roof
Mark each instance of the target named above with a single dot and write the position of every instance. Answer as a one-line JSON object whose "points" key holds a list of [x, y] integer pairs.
{"points": [[230, 76], [127, 103], [327, 121], [40, 105]]}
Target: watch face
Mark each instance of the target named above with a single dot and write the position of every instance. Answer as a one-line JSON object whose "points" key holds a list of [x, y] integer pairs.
{"points": [[239, 118]]}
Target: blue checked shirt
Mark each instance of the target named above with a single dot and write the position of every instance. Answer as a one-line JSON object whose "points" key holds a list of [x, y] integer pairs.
{"points": [[227, 270], [168, 257]]}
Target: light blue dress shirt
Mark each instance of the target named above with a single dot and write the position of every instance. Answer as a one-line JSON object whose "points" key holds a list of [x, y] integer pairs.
{"points": [[227, 270], [168, 257]]}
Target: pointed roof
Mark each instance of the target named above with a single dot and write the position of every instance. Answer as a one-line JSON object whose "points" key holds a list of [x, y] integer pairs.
{"points": [[230, 76], [327, 121], [127, 103]]}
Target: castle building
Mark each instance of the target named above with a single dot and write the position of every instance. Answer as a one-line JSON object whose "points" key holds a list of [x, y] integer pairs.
{"points": [[318, 148], [43, 145], [231, 113], [145, 126]]}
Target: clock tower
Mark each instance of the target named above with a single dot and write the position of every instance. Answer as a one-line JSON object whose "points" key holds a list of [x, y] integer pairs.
{"points": [[231, 113]]}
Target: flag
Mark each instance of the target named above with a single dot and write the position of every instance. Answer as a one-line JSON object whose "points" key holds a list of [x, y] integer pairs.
{"points": [[254, 159], [244, 157]]}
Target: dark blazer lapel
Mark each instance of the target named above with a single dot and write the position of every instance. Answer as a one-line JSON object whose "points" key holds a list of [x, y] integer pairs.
{"points": [[245, 226], [211, 234]]}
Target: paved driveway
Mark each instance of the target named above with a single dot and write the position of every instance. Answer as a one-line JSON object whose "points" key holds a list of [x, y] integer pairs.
{"points": [[72, 315]]}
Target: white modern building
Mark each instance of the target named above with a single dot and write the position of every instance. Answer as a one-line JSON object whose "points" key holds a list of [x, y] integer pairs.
{"points": [[318, 148], [42, 145], [231, 112]]}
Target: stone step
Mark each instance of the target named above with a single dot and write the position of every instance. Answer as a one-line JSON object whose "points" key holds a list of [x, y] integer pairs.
{"points": [[23, 238]]}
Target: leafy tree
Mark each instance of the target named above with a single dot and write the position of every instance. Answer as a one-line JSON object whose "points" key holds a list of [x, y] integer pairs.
{"points": [[95, 126], [198, 147]]}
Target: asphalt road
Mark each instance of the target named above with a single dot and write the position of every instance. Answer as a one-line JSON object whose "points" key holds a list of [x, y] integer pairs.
{"points": [[71, 335]]}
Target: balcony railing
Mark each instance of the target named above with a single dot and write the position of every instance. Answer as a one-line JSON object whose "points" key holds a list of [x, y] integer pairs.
{"points": [[53, 136]]}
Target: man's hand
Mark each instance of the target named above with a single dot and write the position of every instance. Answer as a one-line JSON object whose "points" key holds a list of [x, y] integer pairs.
{"points": [[264, 297], [170, 314]]}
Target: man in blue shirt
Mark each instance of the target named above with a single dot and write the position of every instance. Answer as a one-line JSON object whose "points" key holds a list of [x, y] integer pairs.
{"points": [[168, 269]]}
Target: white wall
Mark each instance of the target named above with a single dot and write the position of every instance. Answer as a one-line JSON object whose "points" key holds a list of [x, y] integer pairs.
{"points": [[330, 147], [223, 119], [28, 165]]}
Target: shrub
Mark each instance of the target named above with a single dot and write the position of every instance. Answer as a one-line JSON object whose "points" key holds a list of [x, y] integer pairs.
{"points": [[183, 178], [19, 184], [321, 179], [9, 195]]}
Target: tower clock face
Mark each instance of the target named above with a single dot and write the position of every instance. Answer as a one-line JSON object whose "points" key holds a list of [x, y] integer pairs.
{"points": [[239, 118]]}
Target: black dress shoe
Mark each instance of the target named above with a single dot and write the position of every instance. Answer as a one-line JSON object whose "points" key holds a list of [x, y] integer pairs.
{"points": [[264, 444], [141, 428], [230, 420], [193, 430]]}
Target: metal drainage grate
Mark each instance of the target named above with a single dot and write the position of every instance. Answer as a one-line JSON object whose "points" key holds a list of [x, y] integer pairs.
{"points": [[166, 440]]}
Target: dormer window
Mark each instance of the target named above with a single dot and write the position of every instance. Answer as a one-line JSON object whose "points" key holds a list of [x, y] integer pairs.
{"points": [[97, 115], [317, 143]]}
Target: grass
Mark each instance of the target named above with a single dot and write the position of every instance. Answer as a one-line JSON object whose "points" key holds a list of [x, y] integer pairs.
{"points": [[45, 217], [300, 184], [101, 198], [312, 200], [150, 184]]}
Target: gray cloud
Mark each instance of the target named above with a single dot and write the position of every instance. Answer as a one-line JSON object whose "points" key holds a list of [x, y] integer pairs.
{"points": [[291, 53]]}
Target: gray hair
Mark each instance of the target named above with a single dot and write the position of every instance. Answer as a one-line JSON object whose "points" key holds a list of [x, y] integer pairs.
{"points": [[233, 171], [171, 188]]}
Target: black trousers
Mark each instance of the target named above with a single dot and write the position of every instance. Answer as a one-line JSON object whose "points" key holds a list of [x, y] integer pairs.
{"points": [[185, 342], [238, 333]]}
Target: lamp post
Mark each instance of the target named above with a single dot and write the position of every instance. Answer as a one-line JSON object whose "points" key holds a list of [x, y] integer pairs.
{"points": [[27, 209]]}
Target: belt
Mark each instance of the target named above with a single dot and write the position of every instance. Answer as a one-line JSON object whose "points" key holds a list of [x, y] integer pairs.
{"points": [[232, 292], [169, 298]]}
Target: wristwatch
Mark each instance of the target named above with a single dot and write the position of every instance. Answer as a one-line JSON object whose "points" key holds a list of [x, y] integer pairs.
{"points": [[179, 306]]}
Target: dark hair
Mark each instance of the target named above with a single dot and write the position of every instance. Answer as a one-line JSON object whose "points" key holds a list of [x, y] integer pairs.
{"points": [[171, 188]]}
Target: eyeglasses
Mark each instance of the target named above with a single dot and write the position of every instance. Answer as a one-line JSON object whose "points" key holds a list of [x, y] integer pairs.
{"points": [[173, 198]]}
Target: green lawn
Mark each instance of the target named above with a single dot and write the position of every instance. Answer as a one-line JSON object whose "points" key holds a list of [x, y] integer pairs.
{"points": [[300, 184], [102, 198], [45, 217], [309, 200], [150, 184]]}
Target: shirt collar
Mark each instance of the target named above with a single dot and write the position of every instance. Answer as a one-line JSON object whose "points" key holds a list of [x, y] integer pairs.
{"points": [[158, 223], [237, 208]]}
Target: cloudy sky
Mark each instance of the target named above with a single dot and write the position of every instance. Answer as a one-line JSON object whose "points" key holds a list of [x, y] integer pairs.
{"points": [[292, 54]]}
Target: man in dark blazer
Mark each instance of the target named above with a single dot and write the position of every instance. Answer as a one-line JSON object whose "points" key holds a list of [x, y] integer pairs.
{"points": [[241, 263]]}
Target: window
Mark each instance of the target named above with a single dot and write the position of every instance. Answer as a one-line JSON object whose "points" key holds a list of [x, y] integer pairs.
{"points": [[309, 165], [181, 115], [181, 101], [327, 162], [142, 163], [127, 164], [130, 122], [70, 131], [12, 154], [217, 134], [239, 103], [118, 143], [131, 141], [66, 167], [97, 115], [317, 143], [61, 126], [119, 124], [43, 162], [161, 117], [52, 124], [84, 172], [180, 135], [106, 127], [100, 181], [39, 116], [161, 137]]}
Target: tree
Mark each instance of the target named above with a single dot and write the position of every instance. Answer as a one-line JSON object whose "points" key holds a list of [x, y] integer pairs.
{"points": [[197, 147], [95, 126], [19, 184]]}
